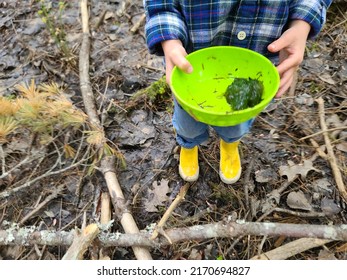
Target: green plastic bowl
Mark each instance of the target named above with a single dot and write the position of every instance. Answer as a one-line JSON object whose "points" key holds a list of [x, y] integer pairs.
{"points": [[201, 93]]}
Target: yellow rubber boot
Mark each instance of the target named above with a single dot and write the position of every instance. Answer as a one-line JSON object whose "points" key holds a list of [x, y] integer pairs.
{"points": [[230, 163], [189, 165]]}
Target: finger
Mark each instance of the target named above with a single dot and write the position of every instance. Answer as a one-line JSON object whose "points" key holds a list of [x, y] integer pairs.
{"points": [[292, 62], [285, 84], [281, 43], [168, 71], [178, 58], [182, 63]]}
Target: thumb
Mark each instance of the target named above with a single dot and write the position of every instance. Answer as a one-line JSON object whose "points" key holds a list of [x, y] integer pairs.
{"points": [[181, 62], [279, 44]]}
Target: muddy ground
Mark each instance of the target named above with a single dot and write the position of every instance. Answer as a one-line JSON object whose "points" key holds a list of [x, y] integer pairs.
{"points": [[274, 154]]}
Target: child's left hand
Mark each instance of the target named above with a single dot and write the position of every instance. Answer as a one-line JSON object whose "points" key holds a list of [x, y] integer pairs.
{"points": [[291, 47]]}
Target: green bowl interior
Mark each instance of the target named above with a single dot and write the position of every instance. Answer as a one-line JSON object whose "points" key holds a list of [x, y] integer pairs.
{"points": [[201, 93]]}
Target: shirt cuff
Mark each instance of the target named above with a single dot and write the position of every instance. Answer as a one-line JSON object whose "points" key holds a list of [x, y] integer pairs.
{"points": [[162, 28], [315, 17]]}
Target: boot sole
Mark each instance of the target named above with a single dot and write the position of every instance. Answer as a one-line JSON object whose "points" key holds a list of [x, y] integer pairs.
{"points": [[230, 180], [188, 178]]}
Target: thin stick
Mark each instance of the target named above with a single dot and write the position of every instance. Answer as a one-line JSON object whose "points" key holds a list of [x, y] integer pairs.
{"points": [[53, 195], [300, 214], [247, 180], [138, 24], [323, 131], [332, 159], [319, 150], [180, 196]]}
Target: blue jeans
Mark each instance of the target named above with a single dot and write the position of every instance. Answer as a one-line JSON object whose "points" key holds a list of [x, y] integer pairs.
{"points": [[190, 133]]}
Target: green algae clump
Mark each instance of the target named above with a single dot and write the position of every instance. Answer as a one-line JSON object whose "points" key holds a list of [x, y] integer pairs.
{"points": [[244, 93]]}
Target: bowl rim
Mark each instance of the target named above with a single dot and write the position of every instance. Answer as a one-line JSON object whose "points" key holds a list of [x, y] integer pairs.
{"points": [[257, 107]]}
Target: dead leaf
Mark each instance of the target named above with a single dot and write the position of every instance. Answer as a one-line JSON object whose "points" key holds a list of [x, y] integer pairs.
{"points": [[334, 120], [109, 15], [19, 145], [329, 207], [298, 200], [325, 254], [292, 170], [157, 196], [342, 147], [265, 175], [195, 255], [322, 186], [342, 248], [304, 99], [327, 79]]}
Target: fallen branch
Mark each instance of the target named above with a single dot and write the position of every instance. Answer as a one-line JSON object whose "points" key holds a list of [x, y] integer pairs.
{"points": [[85, 85], [107, 163], [332, 159], [30, 236], [118, 200]]}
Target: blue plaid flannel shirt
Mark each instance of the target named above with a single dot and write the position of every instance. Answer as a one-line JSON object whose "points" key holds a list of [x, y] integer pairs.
{"points": [[249, 24]]}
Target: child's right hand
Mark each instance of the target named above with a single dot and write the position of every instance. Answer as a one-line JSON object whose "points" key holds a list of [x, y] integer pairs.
{"points": [[175, 56]]}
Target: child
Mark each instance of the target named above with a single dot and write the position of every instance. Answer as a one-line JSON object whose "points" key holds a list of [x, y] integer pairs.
{"points": [[276, 29]]}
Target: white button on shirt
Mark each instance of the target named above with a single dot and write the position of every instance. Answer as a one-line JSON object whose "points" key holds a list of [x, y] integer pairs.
{"points": [[241, 35]]}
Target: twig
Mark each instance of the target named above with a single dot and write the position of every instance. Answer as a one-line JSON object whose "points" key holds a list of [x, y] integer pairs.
{"points": [[247, 180], [3, 162], [100, 19], [123, 6], [138, 24], [321, 153], [300, 214], [76, 218], [332, 159], [323, 131], [180, 196], [50, 172], [42, 204], [261, 245]]}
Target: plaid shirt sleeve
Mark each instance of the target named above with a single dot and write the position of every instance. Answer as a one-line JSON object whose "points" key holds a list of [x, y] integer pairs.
{"points": [[164, 22], [311, 11]]}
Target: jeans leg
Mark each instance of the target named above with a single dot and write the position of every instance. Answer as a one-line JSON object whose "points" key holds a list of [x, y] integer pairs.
{"points": [[233, 133], [190, 132]]}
